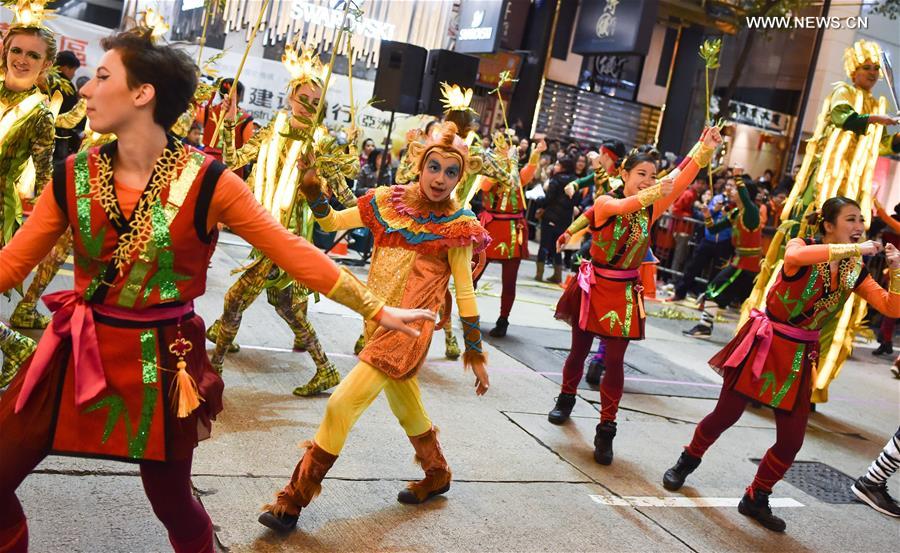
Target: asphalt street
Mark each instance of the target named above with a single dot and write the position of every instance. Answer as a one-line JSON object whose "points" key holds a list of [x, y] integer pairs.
{"points": [[520, 483]]}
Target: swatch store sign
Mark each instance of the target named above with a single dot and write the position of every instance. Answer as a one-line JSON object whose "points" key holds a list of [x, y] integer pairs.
{"points": [[479, 26]]}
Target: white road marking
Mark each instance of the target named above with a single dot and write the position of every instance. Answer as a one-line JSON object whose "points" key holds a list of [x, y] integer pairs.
{"points": [[627, 501]]}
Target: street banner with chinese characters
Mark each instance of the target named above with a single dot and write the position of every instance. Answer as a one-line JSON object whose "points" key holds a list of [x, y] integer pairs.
{"points": [[265, 81]]}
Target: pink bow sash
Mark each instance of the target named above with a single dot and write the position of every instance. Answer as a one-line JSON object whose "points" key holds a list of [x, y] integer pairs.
{"points": [[762, 327], [73, 317], [587, 277]]}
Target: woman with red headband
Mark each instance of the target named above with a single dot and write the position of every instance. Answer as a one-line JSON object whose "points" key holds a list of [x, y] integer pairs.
{"points": [[605, 300]]}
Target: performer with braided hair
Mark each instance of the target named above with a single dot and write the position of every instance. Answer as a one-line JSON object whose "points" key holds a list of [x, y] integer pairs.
{"points": [[773, 357], [298, 143], [605, 300], [422, 237]]}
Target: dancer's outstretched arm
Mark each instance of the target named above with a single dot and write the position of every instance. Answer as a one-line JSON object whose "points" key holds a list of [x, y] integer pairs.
{"points": [[234, 205]]}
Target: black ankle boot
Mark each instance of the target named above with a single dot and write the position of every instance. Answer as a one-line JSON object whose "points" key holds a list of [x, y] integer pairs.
{"points": [[757, 507], [499, 330], [673, 479], [884, 348], [603, 439], [563, 408]]}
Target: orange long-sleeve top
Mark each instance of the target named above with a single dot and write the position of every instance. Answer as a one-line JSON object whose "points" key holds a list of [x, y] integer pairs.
{"points": [[607, 206], [798, 254], [232, 204], [894, 224]]}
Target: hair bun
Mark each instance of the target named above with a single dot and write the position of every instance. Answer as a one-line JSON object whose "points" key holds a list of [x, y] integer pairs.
{"points": [[813, 218]]}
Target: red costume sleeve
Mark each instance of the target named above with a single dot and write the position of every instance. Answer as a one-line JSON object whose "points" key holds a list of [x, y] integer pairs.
{"points": [[527, 173], [33, 241], [234, 205]]}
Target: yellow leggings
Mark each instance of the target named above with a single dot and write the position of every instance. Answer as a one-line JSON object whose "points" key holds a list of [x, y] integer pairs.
{"points": [[354, 395]]}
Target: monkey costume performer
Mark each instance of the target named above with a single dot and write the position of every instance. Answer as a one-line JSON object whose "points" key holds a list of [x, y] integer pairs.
{"points": [[421, 239]]}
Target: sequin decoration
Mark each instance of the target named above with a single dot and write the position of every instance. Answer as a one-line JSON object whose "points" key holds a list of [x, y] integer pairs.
{"points": [[165, 276], [148, 357], [796, 365], [83, 206], [629, 308], [389, 272], [137, 444], [166, 171], [102, 189]]}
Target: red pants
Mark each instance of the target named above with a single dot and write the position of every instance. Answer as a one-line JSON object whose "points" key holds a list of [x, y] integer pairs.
{"points": [[510, 272], [790, 428], [25, 441], [613, 377]]}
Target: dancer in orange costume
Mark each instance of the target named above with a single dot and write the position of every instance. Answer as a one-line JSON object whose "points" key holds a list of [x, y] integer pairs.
{"points": [[504, 219]]}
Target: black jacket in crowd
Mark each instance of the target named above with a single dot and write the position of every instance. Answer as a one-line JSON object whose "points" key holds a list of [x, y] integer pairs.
{"points": [[556, 204]]}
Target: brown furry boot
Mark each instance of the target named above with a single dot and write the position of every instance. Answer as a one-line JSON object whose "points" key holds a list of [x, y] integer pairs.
{"points": [[437, 474], [305, 485]]}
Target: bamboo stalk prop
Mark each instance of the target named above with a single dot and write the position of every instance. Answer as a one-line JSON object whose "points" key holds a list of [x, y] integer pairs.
{"points": [[206, 12], [345, 28], [505, 77], [240, 68], [709, 52]]}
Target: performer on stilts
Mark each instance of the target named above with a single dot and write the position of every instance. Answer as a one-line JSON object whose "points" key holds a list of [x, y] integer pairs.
{"points": [[735, 281], [121, 372], [422, 237], [27, 137], [504, 219], [840, 160], [774, 355], [605, 300], [274, 180]]}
